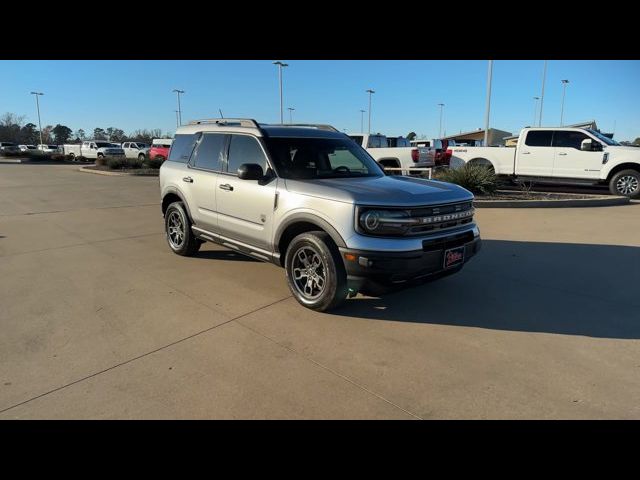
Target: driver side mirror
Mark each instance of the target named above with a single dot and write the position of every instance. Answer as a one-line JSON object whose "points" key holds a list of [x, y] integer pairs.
{"points": [[250, 171]]}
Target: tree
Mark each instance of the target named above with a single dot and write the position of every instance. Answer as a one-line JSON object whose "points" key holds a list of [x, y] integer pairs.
{"points": [[99, 134], [411, 136], [636, 141], [29, 134], [62, 133], [46, 134], [10, 126], [80, 135], [115, 134]]}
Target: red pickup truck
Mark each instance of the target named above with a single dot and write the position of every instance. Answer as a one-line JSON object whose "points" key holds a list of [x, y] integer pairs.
{"points": [[160, 148]]}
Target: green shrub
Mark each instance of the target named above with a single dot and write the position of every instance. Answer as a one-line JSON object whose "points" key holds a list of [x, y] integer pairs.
{"points": [[120, 163], [154, 163], [478, 179]]}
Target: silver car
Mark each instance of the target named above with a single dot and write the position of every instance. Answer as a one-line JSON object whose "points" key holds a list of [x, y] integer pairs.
{"points": [[309, 199]]}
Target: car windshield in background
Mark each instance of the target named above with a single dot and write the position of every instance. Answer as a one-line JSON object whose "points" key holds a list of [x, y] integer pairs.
{"points": [[104, 145], [313, 158], [602, 138]]}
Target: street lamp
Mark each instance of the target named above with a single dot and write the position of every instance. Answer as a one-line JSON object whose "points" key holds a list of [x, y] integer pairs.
{"points": [[535, 110], [486, 116], [362, 120], [280, 66], [441, 105], [370, 92], [37, 94], [178, 92], [177, 118], [564, 91], [544, 78], [291, 109]]}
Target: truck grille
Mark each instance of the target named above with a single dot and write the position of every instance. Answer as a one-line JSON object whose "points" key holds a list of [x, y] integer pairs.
{"points": [[440, 217]]}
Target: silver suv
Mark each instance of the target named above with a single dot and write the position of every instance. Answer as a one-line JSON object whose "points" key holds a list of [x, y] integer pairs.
{"points": [[309, 199]]}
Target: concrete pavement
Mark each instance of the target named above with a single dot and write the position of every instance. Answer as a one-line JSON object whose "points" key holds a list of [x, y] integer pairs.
{"points": [[101, 320]]}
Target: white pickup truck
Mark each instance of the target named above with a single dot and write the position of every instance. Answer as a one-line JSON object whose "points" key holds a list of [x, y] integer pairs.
{"points": [[561, 155], [403, 156], [91, 150], [137, 150]]}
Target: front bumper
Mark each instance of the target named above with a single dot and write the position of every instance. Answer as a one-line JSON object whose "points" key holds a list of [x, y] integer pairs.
{"points": [[380, 268]]}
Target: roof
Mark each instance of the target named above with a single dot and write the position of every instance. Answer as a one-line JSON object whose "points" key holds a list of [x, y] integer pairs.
{"points": [[236, 125], [299, 131], [472, 132]]}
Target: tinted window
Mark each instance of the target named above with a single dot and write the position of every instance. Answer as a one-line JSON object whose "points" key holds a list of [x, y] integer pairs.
{"points": [[356, 138], [245, 149], [376, 141], [208, 153], [568, 139], [539, 138], [181, 149]]}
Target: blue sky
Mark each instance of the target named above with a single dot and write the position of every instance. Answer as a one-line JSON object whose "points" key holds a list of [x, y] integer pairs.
{"points": [[138, 94]]}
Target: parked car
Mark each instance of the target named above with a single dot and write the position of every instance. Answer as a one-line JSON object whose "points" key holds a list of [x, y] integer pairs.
{"points": [[309, 199], [92, 150], [11, 150], [45, 148], [405, 157], [5, 145], [160, 148], [137, 150], [564, 155], [26, 148], [442, 154]]}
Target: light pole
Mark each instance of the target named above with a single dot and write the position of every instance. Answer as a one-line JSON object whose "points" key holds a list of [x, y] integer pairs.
{"points": [[362, 120], [178, 92], [441, 105], [535, 110], [486, 116], [177, 120], [37, 94], [370, 92], [291, 109], [280, 66], [544, 78], [564, 91]]}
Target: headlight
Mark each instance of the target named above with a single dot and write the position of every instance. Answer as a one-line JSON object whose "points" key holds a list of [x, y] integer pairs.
{"points": [[384, 222]]}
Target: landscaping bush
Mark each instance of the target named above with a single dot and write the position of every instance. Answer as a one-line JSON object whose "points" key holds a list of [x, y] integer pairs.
{"points": [[478, 179], [120, 163], [154, 163]]}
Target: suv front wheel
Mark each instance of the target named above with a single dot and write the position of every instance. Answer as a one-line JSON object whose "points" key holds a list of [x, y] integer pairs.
{"points": [[315, 271], [626, 183], [178, 230]]}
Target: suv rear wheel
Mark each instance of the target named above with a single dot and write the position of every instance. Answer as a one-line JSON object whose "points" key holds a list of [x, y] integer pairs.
{"points": [[178, 230], [315, 271], [626, 183]]}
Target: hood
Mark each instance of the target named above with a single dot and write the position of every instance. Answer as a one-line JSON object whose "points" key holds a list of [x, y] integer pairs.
{"points": [[394, 190], [623, 148]]}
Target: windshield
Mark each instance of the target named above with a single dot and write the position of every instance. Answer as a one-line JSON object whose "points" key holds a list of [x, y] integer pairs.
{"points": [[602, 138], [104, 145], [311, 158]]}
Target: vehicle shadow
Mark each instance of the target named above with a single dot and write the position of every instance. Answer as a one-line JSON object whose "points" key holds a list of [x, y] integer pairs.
{"points": [[225, 255], [560, 288]]}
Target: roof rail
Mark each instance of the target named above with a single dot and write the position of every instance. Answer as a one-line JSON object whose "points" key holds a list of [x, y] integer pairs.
{"points": [[242, 122], [319, 126]]}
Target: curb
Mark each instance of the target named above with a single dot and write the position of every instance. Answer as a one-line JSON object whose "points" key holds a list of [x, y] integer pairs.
{"points": [[596, 201], [113, 174]]}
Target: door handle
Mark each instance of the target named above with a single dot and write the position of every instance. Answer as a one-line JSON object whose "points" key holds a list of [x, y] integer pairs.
{"points": [[187, 179], [561, 153], [526, 153], [227, 187]]}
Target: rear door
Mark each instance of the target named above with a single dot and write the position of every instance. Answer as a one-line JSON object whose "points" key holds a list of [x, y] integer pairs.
{"points": [[536, 155], [245, 207], [205, 166], [570, 161]]}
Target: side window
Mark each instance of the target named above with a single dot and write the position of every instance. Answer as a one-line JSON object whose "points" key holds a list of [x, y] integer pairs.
{"points": [[181, 148], [376, 141], [208, 153], [244, 149], [569, 139], [539, 138]]}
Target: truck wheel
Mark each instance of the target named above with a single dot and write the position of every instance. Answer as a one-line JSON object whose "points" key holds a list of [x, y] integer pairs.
{"points": [[626, 183], [315, 272], [72, 157], [141, 157], [177, 227]]}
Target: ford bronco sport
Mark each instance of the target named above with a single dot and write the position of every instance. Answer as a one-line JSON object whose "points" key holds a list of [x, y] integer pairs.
{"points": [[309, 199]]}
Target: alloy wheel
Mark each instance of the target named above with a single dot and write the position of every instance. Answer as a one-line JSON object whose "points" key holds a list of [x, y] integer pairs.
{"points": [[175, 230], [309, 273], [627, 184]]}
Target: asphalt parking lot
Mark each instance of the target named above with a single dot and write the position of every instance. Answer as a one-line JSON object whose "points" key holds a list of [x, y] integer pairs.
{"points": [[100, 320]]}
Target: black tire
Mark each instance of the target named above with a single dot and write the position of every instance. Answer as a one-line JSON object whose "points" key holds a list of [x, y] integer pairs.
{"points": [[626, 183], [141, 157], [100, 155], [177, 227], [328, 267], [72, 157]]}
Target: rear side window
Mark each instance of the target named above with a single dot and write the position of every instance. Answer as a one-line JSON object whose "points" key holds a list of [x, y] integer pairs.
{"points": [[539, 138], [245, 149], [181, 148], [376, 141], [356, 138], [569, 139], [209, 152]]}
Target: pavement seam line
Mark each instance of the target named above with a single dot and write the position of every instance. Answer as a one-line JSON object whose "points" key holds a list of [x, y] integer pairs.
{"points": [[78, 209], [330, 370], [126, 362]]}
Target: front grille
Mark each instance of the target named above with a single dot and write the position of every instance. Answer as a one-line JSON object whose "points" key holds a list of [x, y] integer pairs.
{"points": [[440, 217]]}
